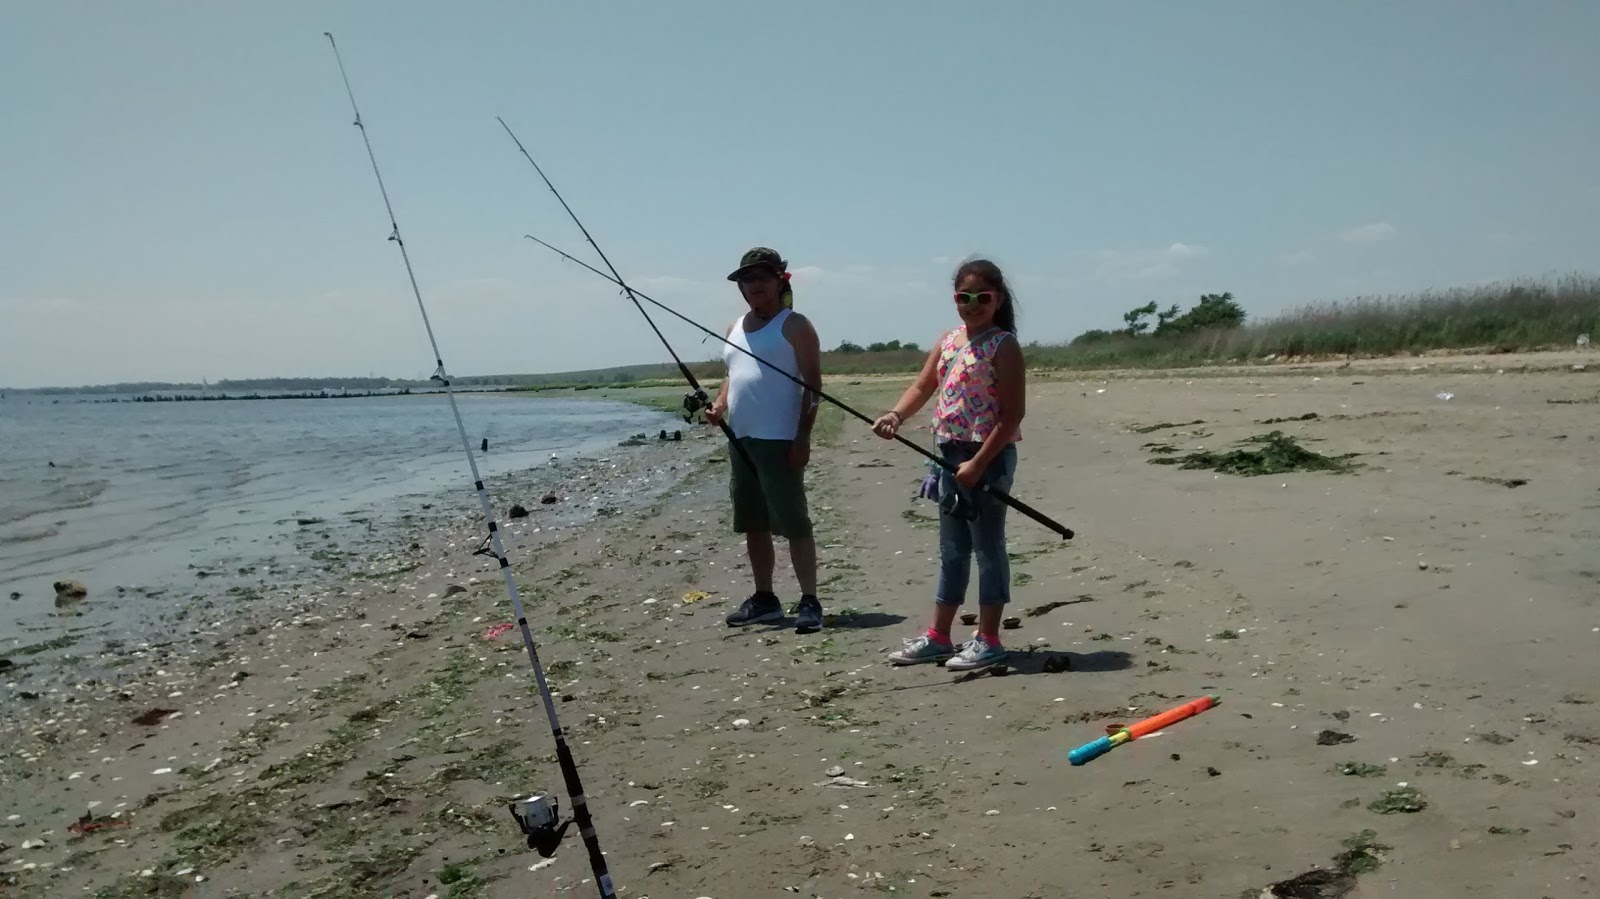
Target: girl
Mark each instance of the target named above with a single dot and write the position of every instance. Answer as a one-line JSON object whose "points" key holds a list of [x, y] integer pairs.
{"points": [[977, 370]]}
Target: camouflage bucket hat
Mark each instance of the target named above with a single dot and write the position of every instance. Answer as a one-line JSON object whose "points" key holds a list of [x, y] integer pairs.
{"points": [[759, 257]]}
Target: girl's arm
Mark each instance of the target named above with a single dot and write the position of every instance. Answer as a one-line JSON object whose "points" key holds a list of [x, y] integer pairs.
{"points": [[927, 381], [1009, 371]]}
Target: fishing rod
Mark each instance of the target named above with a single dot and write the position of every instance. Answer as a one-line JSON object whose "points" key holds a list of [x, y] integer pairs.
{"points": [[700, 400], [536, 820], [1065, 532]]}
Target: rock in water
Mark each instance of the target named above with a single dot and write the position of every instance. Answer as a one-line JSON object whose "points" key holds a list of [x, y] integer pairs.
{"points": [[70, 589], [519, 511]]}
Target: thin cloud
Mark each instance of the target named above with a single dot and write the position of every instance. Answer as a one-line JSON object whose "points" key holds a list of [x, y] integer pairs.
{"points": [[1373, 233], [1298, 257], [1145, 265], [667, 282]]}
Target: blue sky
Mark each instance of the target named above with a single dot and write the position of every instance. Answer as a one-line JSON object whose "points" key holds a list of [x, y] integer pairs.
{"points": [[183, 195]]}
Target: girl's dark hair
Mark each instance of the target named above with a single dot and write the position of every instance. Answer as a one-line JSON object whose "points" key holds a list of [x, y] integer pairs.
{"points": [[1006, 316]]}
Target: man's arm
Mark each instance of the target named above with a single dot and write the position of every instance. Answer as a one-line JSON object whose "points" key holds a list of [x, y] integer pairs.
{"points": [[808, 359], [719, 405]]}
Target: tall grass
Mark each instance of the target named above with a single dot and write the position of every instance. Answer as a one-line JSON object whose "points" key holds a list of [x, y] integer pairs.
{"points": [[1501, 317]]}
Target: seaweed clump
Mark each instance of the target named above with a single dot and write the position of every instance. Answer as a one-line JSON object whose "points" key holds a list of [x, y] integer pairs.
{"points": [[1266, 454]]}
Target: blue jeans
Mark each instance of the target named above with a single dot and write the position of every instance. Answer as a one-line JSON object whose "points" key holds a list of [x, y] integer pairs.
{"points": [[984, 535]]}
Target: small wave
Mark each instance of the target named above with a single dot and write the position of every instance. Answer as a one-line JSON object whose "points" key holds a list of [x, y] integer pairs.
{"points": [[28, 536], [61, 497]]}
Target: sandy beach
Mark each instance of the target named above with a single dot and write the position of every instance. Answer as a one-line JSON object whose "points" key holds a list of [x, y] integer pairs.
{"points": [[1407, 653]]}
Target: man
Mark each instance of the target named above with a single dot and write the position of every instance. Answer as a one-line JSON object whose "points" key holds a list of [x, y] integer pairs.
{"points": [[771, 418]]}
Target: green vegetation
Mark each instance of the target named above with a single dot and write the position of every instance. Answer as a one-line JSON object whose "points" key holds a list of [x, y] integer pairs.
{"points": [[1501, 317]]}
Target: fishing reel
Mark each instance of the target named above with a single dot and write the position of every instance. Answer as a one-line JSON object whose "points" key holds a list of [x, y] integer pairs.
{"points": [[693, 403], [537, 816]]}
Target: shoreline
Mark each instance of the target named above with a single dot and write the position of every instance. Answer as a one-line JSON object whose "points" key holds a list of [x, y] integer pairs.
{"points": [[262, 526], [1386, 607]]}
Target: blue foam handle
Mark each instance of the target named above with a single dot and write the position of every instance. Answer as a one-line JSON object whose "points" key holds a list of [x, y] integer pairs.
{"points": [[1088, 752]]}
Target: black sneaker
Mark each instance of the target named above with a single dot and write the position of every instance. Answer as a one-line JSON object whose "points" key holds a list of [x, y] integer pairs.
{"points": [[758, 609], [808, 616]]}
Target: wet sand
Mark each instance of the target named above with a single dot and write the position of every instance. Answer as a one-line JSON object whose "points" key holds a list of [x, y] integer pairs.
{"points": [[1426, 621]]}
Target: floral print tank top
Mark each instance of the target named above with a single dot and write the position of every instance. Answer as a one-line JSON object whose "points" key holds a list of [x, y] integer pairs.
{"points": [[968, 407]]}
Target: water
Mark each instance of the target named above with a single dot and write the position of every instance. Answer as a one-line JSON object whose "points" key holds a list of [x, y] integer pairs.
{"points": [[142, 494]]}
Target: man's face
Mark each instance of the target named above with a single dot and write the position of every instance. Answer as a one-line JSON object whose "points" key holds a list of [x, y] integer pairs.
{"points": [[761, 288]]}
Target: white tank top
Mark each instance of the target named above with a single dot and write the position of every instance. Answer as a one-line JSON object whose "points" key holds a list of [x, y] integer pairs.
{"points": [[762, 403]]}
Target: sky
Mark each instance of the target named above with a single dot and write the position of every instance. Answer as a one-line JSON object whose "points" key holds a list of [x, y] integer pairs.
{"points": [[182, 195]]}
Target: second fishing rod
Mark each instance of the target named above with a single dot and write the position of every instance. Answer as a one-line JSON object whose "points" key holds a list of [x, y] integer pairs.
{"points": [[635, 295]]}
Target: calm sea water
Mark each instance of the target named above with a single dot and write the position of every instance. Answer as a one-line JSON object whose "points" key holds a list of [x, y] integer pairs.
{"points": [[139, 492]]}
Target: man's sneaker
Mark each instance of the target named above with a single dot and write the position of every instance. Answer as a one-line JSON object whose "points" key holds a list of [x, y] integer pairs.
{"points": [[758, 609], [808, 616], [922, 649], [977, 654]]}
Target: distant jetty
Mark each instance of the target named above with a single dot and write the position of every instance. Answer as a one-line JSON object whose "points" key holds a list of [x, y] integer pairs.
{"points": [[292, 395]]}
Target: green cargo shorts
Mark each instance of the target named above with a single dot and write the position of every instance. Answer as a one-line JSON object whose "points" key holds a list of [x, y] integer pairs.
{"points": [[772, 498]]}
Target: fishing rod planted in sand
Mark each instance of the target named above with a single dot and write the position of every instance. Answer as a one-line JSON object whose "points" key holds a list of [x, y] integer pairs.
{"points": [[1065, 532], [697, 399], [537, 815]]}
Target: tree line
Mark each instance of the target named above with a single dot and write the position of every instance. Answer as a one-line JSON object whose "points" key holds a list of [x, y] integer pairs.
{"points": [[1214, 312]]}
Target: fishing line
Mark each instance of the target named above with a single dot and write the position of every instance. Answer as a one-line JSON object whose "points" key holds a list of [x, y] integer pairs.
{"points": [[699, 394], [1065, 532], [569, 767]]}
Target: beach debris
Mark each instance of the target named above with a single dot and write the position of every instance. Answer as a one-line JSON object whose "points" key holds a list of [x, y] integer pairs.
{"points": [[1165, 425], [694, 596], [741, 723], [1011, 624], [498, 630], [1401, 800], [1363, 854], [453, 589], [1500, 482], [1049, 607], [1362, 769], [1265, 454], [549, 499], [1445, 395], [969, 619], [7, 664], [1583, 340], [843, 781], [16, 594], [518, 510], [1309, 416], [88, 824], [70, 589], [152, 717], [1333, 738]]}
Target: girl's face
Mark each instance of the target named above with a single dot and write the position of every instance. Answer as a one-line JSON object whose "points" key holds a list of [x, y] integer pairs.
{"points": [[976, 302]]}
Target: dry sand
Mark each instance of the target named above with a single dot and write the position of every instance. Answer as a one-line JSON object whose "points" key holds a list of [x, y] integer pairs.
{"points": [[1444, 622]]}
